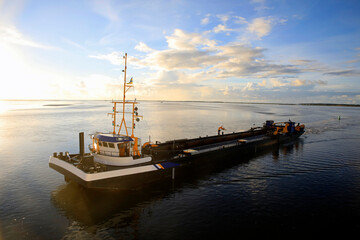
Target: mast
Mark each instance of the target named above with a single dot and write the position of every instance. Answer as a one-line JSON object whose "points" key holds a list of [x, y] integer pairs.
{"points": [[135, 116], [124, 98]]}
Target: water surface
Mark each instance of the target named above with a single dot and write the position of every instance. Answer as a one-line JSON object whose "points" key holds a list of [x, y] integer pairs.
{"points": [[312, 183]]}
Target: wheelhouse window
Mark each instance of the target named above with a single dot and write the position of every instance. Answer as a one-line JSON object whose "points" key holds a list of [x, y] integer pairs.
{"points": [[105, 144], [111, 145], [100, 143]]}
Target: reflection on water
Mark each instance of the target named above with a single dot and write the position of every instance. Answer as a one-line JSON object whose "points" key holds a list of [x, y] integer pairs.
{"points": [[90, 207], [126, 211], [318, 175]]}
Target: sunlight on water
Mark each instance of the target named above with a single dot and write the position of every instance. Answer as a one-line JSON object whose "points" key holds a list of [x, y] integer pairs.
{"points": [[3, 107]]}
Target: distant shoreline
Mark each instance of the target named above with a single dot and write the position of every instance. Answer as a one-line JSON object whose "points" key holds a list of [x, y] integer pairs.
{"points": [[270, 103], [304, 104], [330, 104]]}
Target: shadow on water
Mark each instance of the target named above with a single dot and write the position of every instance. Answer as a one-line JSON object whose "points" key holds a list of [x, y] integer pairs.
{"points": [[91, 207]]}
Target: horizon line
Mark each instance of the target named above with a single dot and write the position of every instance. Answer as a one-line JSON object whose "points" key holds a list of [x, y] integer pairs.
{"points": [[209, 101]]}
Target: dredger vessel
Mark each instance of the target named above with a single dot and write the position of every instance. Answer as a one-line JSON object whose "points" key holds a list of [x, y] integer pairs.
{"points": [[117, 161]]}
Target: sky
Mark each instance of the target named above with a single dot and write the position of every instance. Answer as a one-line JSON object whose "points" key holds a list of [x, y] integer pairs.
{"points": [[281, 51]]}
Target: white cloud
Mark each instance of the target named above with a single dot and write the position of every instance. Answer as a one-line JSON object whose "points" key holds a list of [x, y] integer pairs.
{"points": [[196, 64], [10, 34], [260, 27], [182, 40], [205, 20], [142, 47], [115, 58], [283, 85], [278, 83], [293, 83], [180, 59], [222, 28], [250, 86], [260, 5], [223, 17], [197, 52], [263, 83], [240, 20]]}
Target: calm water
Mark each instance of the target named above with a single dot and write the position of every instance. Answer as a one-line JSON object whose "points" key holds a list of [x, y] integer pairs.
{"points": [[311, 184]]}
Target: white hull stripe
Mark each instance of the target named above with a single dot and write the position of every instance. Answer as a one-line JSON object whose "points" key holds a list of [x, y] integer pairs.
{"points": [[88, 177]]}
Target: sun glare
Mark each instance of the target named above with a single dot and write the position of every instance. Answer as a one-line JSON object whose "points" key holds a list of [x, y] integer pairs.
{"points": [[12, 72], [20, 79], [3, 106]]}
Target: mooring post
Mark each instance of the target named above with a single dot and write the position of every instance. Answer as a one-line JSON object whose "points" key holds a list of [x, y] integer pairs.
{"points": [[81, 143]]}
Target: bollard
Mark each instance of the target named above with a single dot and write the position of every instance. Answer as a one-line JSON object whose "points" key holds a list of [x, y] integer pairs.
{"points": [[81, 143]]}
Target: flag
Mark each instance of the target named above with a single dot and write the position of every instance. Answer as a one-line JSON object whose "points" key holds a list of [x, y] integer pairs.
{"points": [[131, 81]]}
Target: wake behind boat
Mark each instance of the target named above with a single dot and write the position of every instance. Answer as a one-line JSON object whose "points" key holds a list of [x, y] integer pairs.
{"points": [[117, 160]]}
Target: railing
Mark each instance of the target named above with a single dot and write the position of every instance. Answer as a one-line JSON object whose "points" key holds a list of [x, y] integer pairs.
{"points": [[109, 153]]}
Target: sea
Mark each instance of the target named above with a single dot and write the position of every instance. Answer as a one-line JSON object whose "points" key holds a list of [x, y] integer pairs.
{"points": [[305, 186]]}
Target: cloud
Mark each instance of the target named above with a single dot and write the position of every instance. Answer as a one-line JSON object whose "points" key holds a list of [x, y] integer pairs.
{"points": [[247, 30], [72, 43], [299, 82], [302, 61], [259, 5], [10, 9], [196, 52], [205, 20], [181, 40], [222, 28], [115, 58], [93, 85], [262, 84], [240, 20], [250, 86], [195, 63], [106, 9], [260, 27], [10, 34], [223, 17], [348, 72], [142, 47], [180, 59], [283, 84], [353, 61]]}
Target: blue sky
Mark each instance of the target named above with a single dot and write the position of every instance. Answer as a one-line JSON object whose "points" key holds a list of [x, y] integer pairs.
{"points": [[249, 51]]}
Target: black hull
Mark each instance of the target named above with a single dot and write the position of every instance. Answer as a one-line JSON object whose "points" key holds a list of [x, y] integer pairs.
{"points": [[170, 149], [182, 166]]}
